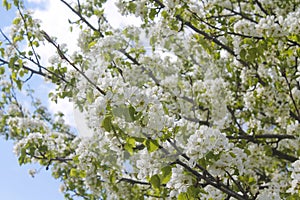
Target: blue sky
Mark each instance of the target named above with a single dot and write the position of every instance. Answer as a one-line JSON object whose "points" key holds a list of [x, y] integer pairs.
{"points": [[17, 184], [15, 181]]}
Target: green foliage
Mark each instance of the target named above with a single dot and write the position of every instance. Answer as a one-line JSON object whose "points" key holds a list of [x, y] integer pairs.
{"points": [[128, 113], [106, 123], [155, 181], [6, 4], [166, 174], [152, 145]]}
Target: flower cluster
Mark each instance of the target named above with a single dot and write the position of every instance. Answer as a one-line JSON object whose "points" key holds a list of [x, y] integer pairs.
{"points": [[179, 182], [295, 177], [204, 141]]}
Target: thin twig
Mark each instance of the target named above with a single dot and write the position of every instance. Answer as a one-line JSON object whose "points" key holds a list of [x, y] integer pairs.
{"points": [[63, 56]]}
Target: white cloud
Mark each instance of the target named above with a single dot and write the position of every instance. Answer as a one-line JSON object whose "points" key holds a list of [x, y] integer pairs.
{"points": [[115, 18], [64, 106], [81, 124], [54, 17], [55, 23], [36, 1]]}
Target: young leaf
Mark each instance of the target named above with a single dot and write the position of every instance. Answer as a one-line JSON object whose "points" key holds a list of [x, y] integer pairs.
{"points": [[155, 181], [152, 145], [106, 123], [73, 172], [166, 174]]}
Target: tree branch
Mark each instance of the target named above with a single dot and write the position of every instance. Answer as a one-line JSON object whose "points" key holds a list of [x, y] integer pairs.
{"points": [[63, 56], [284, 156], [133, 181], [217, 184], [205, 35], [40, 67], [78, 13], [264, 136]]}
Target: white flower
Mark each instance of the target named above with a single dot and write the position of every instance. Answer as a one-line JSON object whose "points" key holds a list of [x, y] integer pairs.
{"points": [[62, 188], [295, 178], [32, 172], [212, 193], [205, 140], [179, 181]]}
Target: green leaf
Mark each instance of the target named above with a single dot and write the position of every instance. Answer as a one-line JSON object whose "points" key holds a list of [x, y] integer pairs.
{"points": [[128, 148], [130, 144], [166, 110], [91, 44], [155, 181], [132, 7], [268, 150], [21, 160], [152, 145], [90, 96], [16, 21], [132, 112], [2, 70], [22, 157], [19, 84], [112, 177], [21, 72], [99, 12], [166, 174], [76, 159], [12, 61], [36, 43], [2, 51], [243, 54], [17, 38], [20, 62], [193, 192], [252, 53], [232, 154], [73, 172], [182, 196], [106, 123], [108, 33], [251, 180], [82, 174], [14, 76], [164, 14], [131, 141], [16, 3], [125, 112], [139, 139], [152, 13], [6, 4]]}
